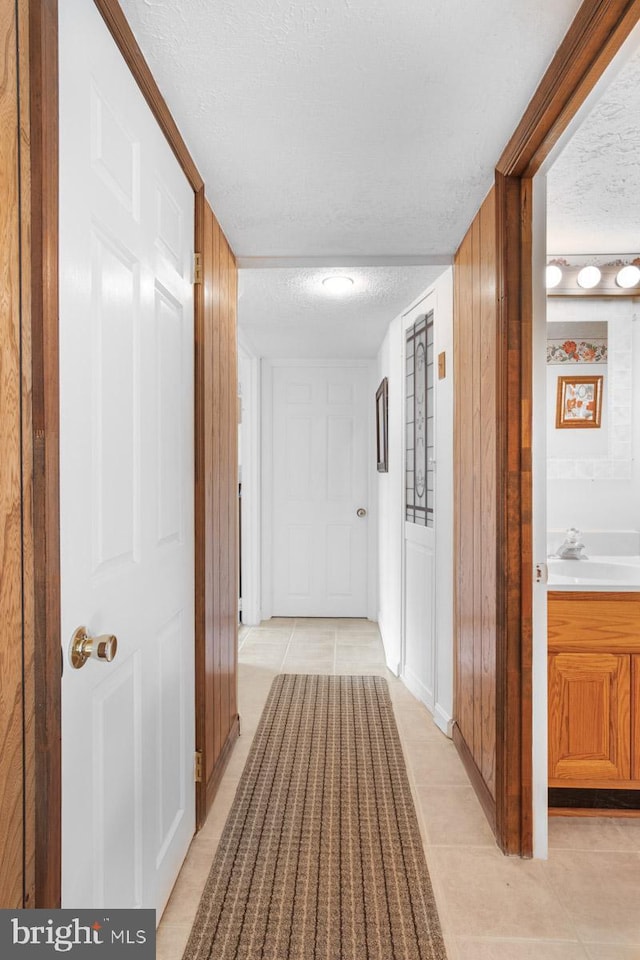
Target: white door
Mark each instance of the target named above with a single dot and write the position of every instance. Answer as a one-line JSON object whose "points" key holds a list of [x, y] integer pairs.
{"points": [[320, 451], [126, 471], [418, 666]]}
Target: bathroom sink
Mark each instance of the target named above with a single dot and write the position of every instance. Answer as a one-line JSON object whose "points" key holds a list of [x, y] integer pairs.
{"points": [[594, 570]]}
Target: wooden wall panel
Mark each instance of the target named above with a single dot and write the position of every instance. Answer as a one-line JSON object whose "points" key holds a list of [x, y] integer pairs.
{"points": [[488, 490], [216, 504], [11, 626], [476, 601]]}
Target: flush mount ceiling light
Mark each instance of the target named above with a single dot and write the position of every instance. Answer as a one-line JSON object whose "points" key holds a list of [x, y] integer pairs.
{"points": [[628, 276], [337, 286], [553, 276], [589, 277]]}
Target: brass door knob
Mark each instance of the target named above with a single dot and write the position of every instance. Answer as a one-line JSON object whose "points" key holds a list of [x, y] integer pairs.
{"points": [[84, 646]]}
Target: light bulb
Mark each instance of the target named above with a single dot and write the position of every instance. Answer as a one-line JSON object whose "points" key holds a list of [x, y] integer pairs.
{"points": [[628, 276], [554, 276], [589, 277]]}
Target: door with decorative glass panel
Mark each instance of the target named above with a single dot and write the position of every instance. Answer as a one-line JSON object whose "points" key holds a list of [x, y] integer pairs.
{"points": [[418, 649]]}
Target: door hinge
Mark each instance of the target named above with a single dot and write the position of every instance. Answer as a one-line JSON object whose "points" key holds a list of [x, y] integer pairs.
{"points": [[197, 268], [198, 767]]}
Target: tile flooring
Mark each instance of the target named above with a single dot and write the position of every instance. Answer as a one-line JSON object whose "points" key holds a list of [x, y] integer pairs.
{"points": [[581, 904]]}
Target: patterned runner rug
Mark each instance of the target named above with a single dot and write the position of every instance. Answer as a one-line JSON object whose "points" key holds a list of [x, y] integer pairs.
{"points": [[321, 856]]}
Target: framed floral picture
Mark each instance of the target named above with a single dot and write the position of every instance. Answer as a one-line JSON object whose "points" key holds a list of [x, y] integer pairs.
{"points": [[579, 402]]}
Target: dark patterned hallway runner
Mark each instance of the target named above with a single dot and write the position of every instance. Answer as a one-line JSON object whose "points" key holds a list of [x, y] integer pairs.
{"points": [[321, 857]]}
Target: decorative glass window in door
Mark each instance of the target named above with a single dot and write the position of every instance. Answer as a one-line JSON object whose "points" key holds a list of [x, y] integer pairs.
{"points": [[420, 422]]}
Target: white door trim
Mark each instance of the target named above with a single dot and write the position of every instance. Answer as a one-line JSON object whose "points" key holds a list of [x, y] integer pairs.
{"points": [[266, 377], [250, 458]]}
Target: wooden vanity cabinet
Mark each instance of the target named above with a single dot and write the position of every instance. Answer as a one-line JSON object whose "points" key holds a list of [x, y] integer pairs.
{"points": [[594, 690], [635, 717]]}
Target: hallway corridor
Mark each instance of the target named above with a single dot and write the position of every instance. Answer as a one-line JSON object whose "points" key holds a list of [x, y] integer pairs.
{"points": [[579, 905]]}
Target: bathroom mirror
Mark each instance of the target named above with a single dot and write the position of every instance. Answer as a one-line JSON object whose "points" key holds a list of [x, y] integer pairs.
{"points": [[603, 347], [593, 212]]}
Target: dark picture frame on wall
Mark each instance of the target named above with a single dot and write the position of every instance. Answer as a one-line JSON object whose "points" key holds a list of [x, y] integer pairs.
{"points": [[382, 423]]}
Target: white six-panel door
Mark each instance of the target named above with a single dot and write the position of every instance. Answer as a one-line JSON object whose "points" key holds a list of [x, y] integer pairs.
{"points": [[126, 463], [319, 482]]}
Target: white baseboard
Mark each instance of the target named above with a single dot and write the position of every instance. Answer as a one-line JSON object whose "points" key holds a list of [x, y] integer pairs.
{"points": [[442, 720], [415, 686], [389, 660]]}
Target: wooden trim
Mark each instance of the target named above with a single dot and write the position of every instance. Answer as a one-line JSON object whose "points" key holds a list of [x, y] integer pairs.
{"points": [[122, 33], [43, 73], [514, 535], [28, 629], [589, 812], [559, 783], [475, 776], [200, 510], [593, 39], [595, 36], [635, 716], [12, 733], [579, 596], [211, 787]]}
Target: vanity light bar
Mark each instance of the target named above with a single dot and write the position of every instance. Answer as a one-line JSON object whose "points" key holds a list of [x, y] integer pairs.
{"points": [[593, 278]]}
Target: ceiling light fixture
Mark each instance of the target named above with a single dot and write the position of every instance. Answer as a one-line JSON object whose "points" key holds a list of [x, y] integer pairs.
{"points": [[578, 276], [337, 286], [588, 277], [628, 276], [554, 276]]}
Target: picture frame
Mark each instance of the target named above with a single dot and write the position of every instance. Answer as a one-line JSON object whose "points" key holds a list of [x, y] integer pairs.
{"points": [[382, 426], [579, 402]]}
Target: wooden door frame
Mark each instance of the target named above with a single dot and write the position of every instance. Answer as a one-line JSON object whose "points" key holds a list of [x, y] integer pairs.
{"points": [[41, 488], [592, 41]]}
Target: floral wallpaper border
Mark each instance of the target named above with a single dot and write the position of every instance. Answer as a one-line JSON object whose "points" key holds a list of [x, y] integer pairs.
{"points": [[577, 351]]}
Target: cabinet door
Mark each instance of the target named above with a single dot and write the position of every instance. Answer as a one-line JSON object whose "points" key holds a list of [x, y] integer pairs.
{"points": [[589, 717], [635, 717]]}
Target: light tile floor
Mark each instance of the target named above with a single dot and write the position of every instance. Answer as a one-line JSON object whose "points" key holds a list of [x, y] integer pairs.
{"points": [[581, 904]]}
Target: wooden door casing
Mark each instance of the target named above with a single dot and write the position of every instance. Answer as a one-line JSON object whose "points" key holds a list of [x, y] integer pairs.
{"points": [[589, 717], [12, 733]]}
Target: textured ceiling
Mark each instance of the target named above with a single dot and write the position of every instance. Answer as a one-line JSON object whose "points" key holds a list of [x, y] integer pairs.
{"points": [[287, 313], [347, 127], [344, 129], [593, 188]]}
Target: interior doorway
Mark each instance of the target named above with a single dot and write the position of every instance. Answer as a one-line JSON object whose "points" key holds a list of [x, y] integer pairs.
{"points": [[585, 462], [316, 444]]}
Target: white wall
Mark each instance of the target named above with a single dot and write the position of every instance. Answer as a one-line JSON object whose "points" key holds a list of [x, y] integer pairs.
{"points": [[595, 485], [249, 464], [391, 502]]}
